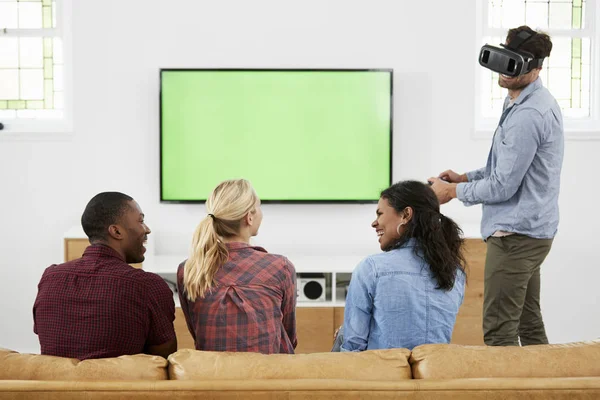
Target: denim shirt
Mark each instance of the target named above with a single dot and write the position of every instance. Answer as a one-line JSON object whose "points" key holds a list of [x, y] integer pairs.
{"points": [[393, 302], [520, 183]]}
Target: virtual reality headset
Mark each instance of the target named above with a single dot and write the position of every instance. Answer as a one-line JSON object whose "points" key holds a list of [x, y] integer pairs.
{"points": [[508, 59]]}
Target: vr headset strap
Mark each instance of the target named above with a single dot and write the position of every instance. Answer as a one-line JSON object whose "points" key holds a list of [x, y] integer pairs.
{"points": [[535, 63], [518, 41]]}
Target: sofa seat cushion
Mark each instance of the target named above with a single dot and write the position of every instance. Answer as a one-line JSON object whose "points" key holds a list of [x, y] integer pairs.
{"points": [[371, 365], [443, 361], [16, 366]]}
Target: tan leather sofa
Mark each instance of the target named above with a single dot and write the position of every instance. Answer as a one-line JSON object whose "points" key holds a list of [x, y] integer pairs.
{"points": [[569, 371]]}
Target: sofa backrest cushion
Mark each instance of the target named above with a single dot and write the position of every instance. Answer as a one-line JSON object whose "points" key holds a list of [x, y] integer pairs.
{"points": [[372, 365], [14, 365], [448, 361]]}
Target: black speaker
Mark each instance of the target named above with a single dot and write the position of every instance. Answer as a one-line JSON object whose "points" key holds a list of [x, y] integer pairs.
{"points": [[311, 289]]}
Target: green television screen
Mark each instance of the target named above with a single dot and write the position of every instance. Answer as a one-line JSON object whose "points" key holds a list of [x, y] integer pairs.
{"points": [[297, 135]]}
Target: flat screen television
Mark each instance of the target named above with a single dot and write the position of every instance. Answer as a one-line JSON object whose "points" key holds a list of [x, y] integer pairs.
{"points": [[299, 135]]}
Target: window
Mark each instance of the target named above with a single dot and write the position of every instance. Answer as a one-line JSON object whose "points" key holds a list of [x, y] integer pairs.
{"points": [[571, 71], [34, 93]]}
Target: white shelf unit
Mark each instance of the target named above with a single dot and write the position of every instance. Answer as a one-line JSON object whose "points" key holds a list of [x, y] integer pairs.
{"points": [[333, 267], [334, 289]]}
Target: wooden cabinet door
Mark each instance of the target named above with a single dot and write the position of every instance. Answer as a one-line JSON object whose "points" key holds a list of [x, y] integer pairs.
{"points": [[74, 248], [338, 317], [184, 338], [314, 327], [468, 328]]}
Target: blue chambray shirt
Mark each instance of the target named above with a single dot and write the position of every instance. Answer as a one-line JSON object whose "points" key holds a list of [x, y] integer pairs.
{"points": [[520, 183], [393, 302]]}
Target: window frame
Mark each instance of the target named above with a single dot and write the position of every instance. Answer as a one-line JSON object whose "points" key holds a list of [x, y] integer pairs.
{"points": [[587, 128], [41, 128]]}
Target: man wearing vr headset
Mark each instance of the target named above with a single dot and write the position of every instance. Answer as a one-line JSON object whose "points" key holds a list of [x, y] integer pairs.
{"points": [[518, 189]]}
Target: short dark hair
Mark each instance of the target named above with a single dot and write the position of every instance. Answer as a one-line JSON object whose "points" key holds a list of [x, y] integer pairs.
{"points": [[539, 45], [103, 210]]}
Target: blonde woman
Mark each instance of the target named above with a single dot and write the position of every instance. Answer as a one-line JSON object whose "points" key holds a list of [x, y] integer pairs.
{"points": [[237, 297]]}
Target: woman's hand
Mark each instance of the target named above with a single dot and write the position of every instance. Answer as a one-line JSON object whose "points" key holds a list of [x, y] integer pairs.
{"points": [[335, 334]]}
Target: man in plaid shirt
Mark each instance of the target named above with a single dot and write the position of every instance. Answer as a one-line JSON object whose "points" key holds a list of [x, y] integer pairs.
{"points": [[98, 305]]}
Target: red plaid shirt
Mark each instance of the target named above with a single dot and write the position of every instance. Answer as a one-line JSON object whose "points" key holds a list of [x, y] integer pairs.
{"points": [[252, 306], [99, 306]]}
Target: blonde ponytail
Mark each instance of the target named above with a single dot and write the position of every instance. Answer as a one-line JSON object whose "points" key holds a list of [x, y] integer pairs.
{"points": [[208, 253], [227, 205]]}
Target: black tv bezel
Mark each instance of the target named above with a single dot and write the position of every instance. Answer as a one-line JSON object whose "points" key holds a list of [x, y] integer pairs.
{"points": [[266, 201]]}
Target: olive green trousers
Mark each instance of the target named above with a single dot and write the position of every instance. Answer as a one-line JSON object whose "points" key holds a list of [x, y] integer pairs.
{"points": [[511, 299]]}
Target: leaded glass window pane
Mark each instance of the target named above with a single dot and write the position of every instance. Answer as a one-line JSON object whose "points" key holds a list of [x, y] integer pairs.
{"points": [[542, 14], [30, 15], [27, 14], [9, 84], [31, 73], [32, 84], [31, 52], [9, 52], [566, 73], [9, 15], [536, 15], [31, 66]]}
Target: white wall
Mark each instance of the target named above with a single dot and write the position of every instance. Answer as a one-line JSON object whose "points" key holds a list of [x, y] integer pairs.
{"points": [[118, 48]]}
